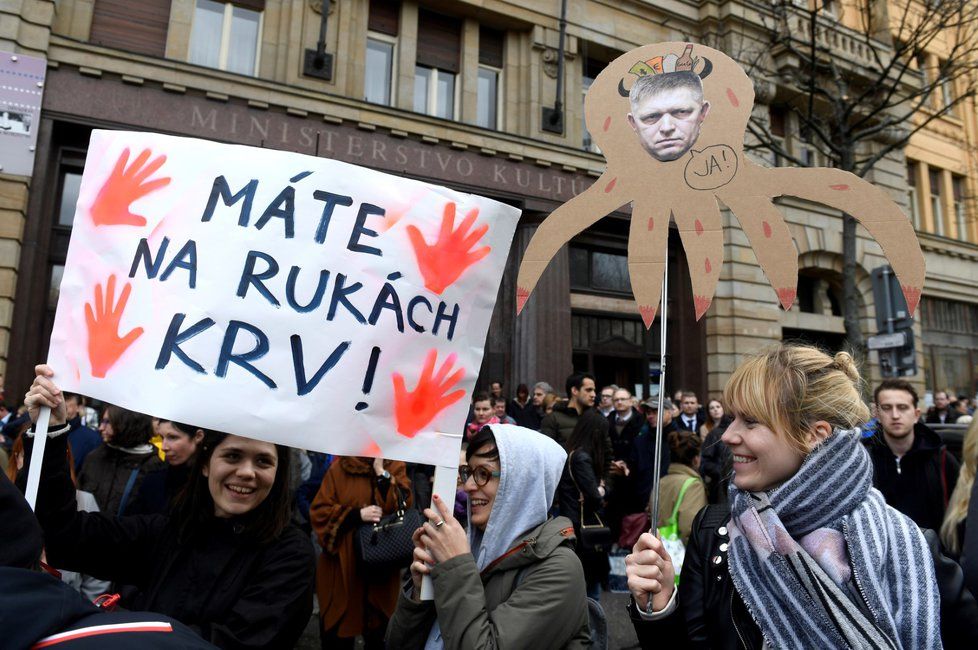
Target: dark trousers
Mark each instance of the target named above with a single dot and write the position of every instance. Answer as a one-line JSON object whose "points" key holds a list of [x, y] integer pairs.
{"points": [[372, 639]]}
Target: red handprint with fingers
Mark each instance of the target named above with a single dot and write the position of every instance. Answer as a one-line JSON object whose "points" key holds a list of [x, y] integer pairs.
{"points": [[126, 185], [416, 409], [104, 344], [443, 262]]}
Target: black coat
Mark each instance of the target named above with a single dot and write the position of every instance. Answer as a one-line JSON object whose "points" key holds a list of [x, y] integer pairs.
{"points": [[644, 469], [34, 606], [697, 423], [569, 499], [712, 615], [623, 444], [527, 416], [716, 464], [920, 483], [106, 473], [234, 591], [950, 418]]}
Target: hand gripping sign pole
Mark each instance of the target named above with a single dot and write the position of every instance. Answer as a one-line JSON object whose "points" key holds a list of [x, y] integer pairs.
{"points": [[37, 456]]}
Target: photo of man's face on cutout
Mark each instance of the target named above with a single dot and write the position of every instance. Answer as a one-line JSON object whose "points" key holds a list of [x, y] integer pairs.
{"points": [[667, 111]]}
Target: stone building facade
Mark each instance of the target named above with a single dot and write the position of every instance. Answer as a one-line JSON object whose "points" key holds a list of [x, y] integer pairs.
{"points": [[448, 92]]}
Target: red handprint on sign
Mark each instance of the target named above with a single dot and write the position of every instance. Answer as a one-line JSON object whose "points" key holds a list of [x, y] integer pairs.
{"points": [[444, 261], [415, 410], [104, 345], [124, 186]]}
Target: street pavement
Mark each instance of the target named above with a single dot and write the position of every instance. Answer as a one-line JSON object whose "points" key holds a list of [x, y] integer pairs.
{"points": [[621, 634]]}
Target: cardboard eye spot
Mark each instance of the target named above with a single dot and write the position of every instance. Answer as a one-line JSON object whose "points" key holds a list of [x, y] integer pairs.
{"points": [[699, 227], [607, 123], [610, 186], [839, 188], [651, 224], [767, 229], [732, 96]]}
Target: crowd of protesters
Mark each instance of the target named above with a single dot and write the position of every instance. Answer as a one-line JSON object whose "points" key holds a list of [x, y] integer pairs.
{"points": [[226, 539]]}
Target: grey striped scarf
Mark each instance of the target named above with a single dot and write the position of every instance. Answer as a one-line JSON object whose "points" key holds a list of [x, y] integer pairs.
{"points": [[822, 562]]}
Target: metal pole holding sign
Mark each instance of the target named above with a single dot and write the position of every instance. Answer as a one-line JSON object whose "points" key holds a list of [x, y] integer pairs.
{"points": [[657, 462]]}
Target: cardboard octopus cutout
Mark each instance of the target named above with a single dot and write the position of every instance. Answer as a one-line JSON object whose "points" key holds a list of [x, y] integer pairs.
{"points": [[670, 119]]}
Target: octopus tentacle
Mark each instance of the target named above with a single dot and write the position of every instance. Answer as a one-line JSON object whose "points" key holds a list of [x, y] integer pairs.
{"points": [[701, 230], [772, 243], [871, 207], [648, 241], [560, 227]]}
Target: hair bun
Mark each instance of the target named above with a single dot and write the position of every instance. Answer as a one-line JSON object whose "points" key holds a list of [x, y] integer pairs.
{"points": [[843, 361]]}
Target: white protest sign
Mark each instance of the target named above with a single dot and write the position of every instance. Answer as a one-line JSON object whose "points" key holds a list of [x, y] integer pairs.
{"points": [[278, 296]]}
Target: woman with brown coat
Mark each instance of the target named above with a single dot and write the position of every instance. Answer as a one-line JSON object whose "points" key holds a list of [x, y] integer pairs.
{"points": [[352, 602]]}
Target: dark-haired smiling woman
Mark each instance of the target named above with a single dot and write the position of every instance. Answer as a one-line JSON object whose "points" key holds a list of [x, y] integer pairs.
{"points": [[226, 561]]}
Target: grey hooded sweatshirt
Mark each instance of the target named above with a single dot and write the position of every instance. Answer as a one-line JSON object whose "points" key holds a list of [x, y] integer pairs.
{"points": [[534, 597]]}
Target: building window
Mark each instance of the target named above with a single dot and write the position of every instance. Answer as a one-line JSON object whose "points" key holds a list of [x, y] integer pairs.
{"points": [[947, 90], [225, 36], [488, 96], [923, 68], [597, 270], [936, 205], [487, 112], [434, 92], [778, 116], [592, 68], [382, 29], [912, 196], [54, 286], [70, 184], [378, 83], [960, 207], [439, 43]]}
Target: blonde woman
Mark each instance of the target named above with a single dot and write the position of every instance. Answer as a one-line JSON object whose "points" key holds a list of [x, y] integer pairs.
{"points": [[953, 528], [808, 555]]}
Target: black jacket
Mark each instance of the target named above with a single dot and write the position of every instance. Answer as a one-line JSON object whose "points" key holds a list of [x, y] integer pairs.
{"points": [[950, 418], [623, 444], [106, 473], [234, 591], [527, 416], [697, 423], [643, 470], [920, 483], [712, 615], [569, 493], [34, 606], [716, 464]]}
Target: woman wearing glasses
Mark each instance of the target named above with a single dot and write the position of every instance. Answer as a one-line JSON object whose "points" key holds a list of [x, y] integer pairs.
{"points": [[514, 579]]}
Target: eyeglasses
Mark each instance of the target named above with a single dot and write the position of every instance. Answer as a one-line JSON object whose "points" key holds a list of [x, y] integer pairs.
{"points": [[481, 474]]}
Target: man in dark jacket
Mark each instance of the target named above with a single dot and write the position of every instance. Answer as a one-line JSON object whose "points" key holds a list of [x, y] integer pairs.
{"points": [[560, 424], [691, 416], [624, 424], [911, 465], [580, 397], [942, 412], [645, 450]]}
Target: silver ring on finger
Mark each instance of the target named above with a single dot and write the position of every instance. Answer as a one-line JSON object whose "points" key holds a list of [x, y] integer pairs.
{"points": [[440, 524]]}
